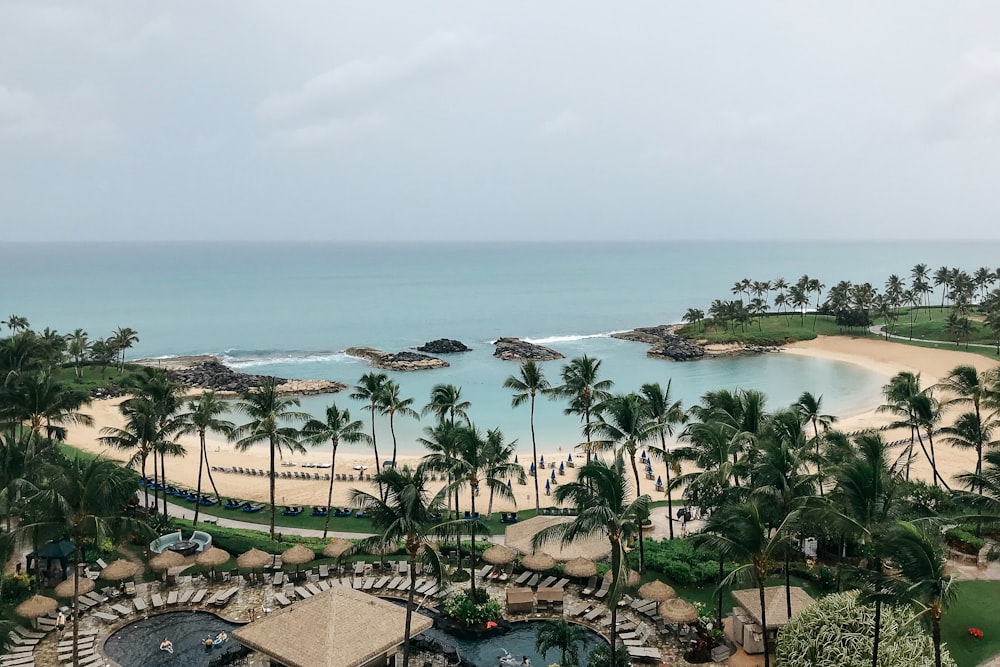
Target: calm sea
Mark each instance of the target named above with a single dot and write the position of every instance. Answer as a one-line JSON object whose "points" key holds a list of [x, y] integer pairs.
{"points": [[291, 309]]}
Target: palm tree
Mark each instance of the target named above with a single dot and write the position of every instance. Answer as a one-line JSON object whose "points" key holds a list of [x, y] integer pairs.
{"points": [[529, 384], [337, 427], [968, 432], [204, 414], [969, 387], [565, 637], [19, 456], [921, 558], [16, 323], [392, 404], [369, 388], [85, 500], [446, 403], [942, 277], [43, 401], [267, 410], [406, 514], [665, 413], [602, 497], [584, 391], [164, 396], [810, 409], [124, 338], [901, 400], [442, 441], [78, 348], [140, 433], [498, 457]]}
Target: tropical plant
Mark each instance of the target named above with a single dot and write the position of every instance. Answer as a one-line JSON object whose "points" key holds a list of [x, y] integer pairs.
{"points": [[204, 414], [139, 434], [498, 458], [16, 323], [267, 410], [369, 388], [124, 338], [526, 386], [78, 348], [584, 390], [44, 402], [665, 414], [337, 427], [810, 409], [446, 403], [563, 636], [392, 404]]}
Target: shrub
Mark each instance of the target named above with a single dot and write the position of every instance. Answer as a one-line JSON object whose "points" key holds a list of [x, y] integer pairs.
{"points": [[680, 561], [461, 607], [837, 632], [963, 540]]}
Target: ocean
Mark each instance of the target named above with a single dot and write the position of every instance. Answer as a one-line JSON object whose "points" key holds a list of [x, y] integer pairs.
{"points": [[290, 309]]}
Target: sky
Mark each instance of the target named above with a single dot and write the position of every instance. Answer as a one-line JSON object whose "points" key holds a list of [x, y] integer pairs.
{"points": [[514, 120]]}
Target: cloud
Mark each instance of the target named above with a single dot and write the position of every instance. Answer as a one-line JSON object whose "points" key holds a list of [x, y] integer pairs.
{"points": [[367, 77], [566, 123], [969, 107], [332, 131], [116, 34], [70, 121]]}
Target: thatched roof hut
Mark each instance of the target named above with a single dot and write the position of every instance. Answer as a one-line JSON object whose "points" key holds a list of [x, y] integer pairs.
{"points": [[518, 536], [656, 590], [633, 578], [538, 562], [580, 567], [65, 588], [498, 554], [676, 610], [35, 606], [336, 547], [776, 604], [297, 555], [166, 560], [119, 569], [254, 559], [340, 627]]}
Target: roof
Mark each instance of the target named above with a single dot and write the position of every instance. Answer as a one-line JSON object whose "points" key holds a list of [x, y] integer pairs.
{"points": [[340, 627], [774, 600], [518, 536]]}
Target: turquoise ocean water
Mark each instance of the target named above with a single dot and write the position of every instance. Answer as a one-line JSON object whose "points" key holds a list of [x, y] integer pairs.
{"points": [[291, 309]]}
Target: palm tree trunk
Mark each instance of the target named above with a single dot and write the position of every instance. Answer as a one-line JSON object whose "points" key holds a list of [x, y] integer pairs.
{"points": [[614, 635], [329, 495], [586, 430], [208, 469], [201, 465], [788, 587], [722, 575], [670, 497], [145, 486], [156, 483], [763, 623], [392, 430], [534, 455], [472, 550], [381, 491], [819, 472], [642, 549], [936, 635], [877, 633], [937, 475], [163, 474], [75, 610], [271, 485], [409, 609]]}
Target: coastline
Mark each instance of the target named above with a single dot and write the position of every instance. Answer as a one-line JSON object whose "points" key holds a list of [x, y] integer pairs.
{"points": [[882, 357]]}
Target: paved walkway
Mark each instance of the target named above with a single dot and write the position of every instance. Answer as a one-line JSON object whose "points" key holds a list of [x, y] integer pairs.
{"points": [[879, 330]]}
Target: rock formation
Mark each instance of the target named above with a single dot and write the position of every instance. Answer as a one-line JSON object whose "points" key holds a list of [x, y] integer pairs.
{"points": [[664, 343], [515, 349], [399, 361], [444, 346], [211, 374]]}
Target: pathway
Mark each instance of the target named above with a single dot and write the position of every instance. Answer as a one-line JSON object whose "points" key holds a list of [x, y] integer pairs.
{"points": [[879, 330]]}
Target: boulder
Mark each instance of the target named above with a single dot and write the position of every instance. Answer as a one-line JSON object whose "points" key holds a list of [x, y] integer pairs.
{"points": [[515, 349], [444, 346], [665, 344], [398, 361], [214, 375]]}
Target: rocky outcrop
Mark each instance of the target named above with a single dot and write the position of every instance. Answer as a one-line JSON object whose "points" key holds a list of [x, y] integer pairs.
{"points": [[444, 346], [398, 361], [515, 349], [664, 344], [212, 374]]}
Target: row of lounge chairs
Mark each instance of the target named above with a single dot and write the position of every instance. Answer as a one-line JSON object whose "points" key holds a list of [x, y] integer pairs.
{"points": [[283, 474]]}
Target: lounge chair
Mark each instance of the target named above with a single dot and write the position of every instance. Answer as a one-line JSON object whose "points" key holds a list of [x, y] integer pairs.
{"points": [[140, 604], [590, 588], [253, 508], [199, 596], [157, 601]]}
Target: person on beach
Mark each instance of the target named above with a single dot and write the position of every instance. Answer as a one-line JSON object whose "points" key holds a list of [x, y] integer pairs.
{"points": [[61, 623], [167, 645]]}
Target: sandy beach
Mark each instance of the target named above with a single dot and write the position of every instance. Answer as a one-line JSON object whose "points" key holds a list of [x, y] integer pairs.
{"points": [[885, 358]]}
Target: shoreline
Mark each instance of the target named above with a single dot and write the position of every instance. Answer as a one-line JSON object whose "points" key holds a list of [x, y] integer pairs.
{"points": [[885, 358]]}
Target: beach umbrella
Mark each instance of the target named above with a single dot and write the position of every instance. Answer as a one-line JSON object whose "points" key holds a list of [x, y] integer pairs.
{"points": [[509, 488], [255, 559], [538, 562], [166, 560], [119, 569], [515, 458], [297, 555], [569, 458], [656, 590], [498, 554], [213, 558], [659, 481], [336, 548], [643, 455], [633, 578], [548, 486], [541, 460], [676, 610], [580, 567], [65, 588], [532, 468], [562, 467], [35, 606]]}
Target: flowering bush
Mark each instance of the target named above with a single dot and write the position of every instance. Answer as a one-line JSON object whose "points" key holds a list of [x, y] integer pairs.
{"points": [[976, 633], [462, 608]]}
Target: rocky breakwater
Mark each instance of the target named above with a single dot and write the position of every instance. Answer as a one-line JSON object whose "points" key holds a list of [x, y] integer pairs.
{"points": [[515, 349], [398, 361], [664, 343], [444, 346], [211, 374]]}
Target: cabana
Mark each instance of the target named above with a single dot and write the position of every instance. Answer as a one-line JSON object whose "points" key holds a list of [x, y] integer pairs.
{"points": [[745, 628], [520, 601], [340, 627], [519, 535]]}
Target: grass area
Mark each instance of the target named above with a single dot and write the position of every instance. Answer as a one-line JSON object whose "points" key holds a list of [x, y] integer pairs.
{"points": [[93, 377], [973, 608], [772, 329]]}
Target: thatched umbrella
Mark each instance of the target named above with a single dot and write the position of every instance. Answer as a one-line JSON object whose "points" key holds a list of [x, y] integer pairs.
{"points": [[336, 548], [119, 569], [296, 556], [166, 560], [498, 554], [633, 578], [212, 557], [65, 588], [254, 559], [580, 567], [676, 610], [35, 606], [656, 591], [538, 562]]}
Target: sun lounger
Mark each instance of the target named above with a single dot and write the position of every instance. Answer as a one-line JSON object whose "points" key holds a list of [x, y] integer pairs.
{"points": [[394, 584], [140, 604], [312, 588], [380, 584], [324, 571], [157, 601], [520, 581], [199, 596], [533, 580], [405, 586], [281, 599], [171, 598], [122, 610], [185, 596], [46, 624], [485, 570], [28, 634], [17, 640], [357, 583], [369, 583], [590, 587], [224, 598], [27, 660], [92, 661], [421, 585], [644, 653], [547, 583], [107, 618], [594, 614], [323, 585], [603, 592]]}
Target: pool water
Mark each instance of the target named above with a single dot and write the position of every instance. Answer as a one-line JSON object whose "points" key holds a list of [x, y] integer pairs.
{"points": [[519, 642], [138, 644]]}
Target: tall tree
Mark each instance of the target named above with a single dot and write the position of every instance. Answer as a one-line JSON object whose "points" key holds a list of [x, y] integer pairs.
{"points": [[810, 409], [392, 404], [139, 434], [526, 386], [46, 404], [337, 427], [446, 403], [498, 455], [78, 348], [165, 399], [16, 323], [267, 410], [369, 389], [665, 413], [124, 338], [582, 386], [563, 636], [204, 414]]}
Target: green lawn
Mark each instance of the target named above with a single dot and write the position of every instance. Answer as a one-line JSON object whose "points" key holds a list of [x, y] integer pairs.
{"points": [[975, 607], [772, 329]]}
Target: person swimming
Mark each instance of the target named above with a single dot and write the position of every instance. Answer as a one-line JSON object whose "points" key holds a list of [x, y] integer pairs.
{"points": [[221, 637], [167, 645]]}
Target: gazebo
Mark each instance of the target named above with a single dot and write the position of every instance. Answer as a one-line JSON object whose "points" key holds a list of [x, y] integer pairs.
{"points": [[340, 627], [746, 624]]}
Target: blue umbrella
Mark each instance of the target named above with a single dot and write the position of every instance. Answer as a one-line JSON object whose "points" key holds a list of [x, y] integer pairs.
{"points": [[659, 481], [553, 475], [532, 468], [569, 458], [515, 458], [547, 486], [643, 456], [508, 484], [562, 467], [542, 459]]}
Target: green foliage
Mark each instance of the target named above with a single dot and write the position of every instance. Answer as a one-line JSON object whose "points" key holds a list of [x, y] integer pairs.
{"points": [[601, 657], [238, 540], [837, 631], [960, 538], [17, 588], [680, 561], [461, 607]]}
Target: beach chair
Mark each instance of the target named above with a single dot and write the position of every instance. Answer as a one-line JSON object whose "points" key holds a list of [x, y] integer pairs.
{"points": [[394, 583], [357, 583], [185, 596], [594, 614], [533, 580], [107, 618], [602, 592], [380, 584], [484, 571], [547, 582], [590, 587], [121, 609], [281, 599], [524, 577], [199, 596], [158, 602], [140, 604], [171, 598], [323, 585], [28, 634]]}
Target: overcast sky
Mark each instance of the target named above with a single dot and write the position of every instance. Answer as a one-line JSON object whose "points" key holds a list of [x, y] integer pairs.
{"points": [[502, 120]]}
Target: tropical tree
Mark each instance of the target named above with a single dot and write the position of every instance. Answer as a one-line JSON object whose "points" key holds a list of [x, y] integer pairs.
{"points": [[526, 386], [124, 338], [139, 434], [392, 404], [19, 456], [78, 348], [810, 409], [446, 403], [337, 427], [267, 410], [204, 414], [369, 389], [967, 386], [16, 323], [407, 514], [563, 636], [584, 390], [942, 278], [442, 442], [603, 499], [498, 457], [44, 402], [693, 316], [665, 414], [84, 499]]}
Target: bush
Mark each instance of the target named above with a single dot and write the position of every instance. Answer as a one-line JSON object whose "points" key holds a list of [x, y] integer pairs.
{"points": [[17, 588], [463, 608], [963, 540], [680, 561], [837, 632]]}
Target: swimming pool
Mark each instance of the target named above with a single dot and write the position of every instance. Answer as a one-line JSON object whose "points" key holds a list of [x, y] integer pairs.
{"points": [[519, 642], [138, 644]]}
